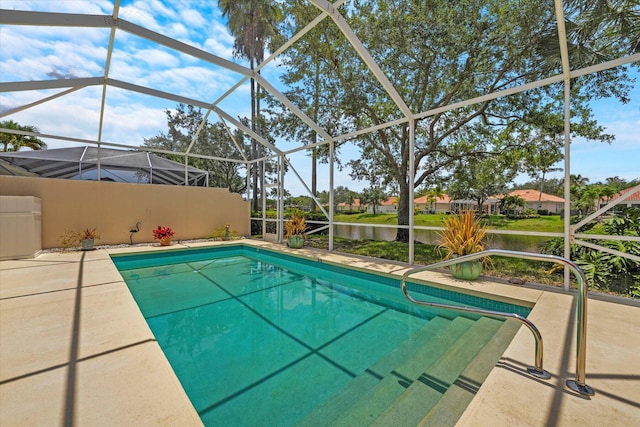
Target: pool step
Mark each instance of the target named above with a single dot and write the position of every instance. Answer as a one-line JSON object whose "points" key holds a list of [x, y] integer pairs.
{"points": [[450, 407], [426, 391], [372, 403], [342, 401], [384, 296]]}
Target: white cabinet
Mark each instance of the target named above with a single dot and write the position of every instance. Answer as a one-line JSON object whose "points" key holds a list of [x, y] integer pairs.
{"points": [[20, 227]]}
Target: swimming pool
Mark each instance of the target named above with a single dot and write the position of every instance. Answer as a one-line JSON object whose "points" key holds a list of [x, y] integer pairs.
{"points": [[261, 338]]}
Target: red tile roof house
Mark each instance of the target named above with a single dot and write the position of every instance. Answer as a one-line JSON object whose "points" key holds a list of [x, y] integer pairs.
{"points": [[548, 202], [387, 206], [632, 200], [441, 204], [345, 207]]}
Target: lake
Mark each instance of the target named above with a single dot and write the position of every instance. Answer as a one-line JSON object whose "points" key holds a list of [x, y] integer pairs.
{"points": [[494, 241]]}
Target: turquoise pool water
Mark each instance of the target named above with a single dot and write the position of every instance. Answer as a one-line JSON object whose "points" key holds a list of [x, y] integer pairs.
{"points": [[258, 338]]}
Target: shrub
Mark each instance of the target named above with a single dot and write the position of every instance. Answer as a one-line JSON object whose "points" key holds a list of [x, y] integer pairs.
{"points": [[162, 232], [71, 238], [224, 232], [295, 226], [463, 234]]}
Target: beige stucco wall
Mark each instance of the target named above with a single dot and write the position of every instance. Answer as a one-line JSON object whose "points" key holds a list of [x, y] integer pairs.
{"points": [[114, 208], [553, 207]]}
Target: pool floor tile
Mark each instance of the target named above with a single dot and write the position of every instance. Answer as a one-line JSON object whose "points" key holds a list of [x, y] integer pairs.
{"points": [[283, 399], [221, 349]]}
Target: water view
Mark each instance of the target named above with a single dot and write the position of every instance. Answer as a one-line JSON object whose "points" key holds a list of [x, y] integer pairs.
{"points": [[494, 241]]}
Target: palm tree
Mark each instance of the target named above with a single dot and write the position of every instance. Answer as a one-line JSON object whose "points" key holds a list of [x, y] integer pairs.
{"points": [[432, 197], [14, 142], [253, 24], [578, 180]]}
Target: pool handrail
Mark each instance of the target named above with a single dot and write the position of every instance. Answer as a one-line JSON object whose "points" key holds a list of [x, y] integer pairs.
{"points": [[578, 384]]}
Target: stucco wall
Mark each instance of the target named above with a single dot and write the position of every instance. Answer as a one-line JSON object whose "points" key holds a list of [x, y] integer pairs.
{"points": [[553, 207], [114, 208]]}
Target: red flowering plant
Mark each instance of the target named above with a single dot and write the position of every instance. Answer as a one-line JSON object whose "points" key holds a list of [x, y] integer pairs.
{"points": [[162, 232]]}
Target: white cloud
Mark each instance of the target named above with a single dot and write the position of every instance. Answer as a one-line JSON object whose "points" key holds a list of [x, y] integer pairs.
{"points": [[77, 116], [179, 32], [192, 18], [156, 58], [219, 41], [84, 7], [219, 48], [130, 124], [31, 57], [32, 53], [146, 13]]}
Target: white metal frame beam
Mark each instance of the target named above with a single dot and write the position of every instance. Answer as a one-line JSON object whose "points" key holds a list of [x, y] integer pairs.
{"points": [[327, 9], [315, 199], [566, 75], [51, 19], [606, 207], [54, 19], [116, 145], [295, 110], [107, 66], [77, 83], [364, 54], [38, 102]]}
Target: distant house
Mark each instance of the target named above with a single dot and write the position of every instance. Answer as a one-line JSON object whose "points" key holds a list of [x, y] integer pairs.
{"points": [[489, 206], [345, 207], [548, 202], [540, 201], [387, 206], [440, 205], [632, 201]]}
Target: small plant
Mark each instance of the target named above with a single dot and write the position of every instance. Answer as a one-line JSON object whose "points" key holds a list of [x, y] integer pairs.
{"points": [[88, 234], [294, 230], [225, 233], [463, 234], [163, 232], [73, 238], [296, 225]]}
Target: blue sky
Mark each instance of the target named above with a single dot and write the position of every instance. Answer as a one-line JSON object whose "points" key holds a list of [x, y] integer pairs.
{"points": [[41, 53]]}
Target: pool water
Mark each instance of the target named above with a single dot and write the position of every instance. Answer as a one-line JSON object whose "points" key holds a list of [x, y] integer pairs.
{"points": [[260, 339]]}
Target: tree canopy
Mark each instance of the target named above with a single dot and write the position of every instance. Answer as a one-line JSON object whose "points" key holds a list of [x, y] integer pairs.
{"points": [[213, 140], [438, 53], [14, 142], [253, 23]]}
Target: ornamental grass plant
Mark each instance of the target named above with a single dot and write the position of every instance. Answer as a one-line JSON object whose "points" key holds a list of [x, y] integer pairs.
{"points": [[296, 226], [463, 234], [72, 238]]}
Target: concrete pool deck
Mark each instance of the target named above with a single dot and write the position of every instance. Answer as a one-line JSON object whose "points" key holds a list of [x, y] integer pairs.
{"points": [[75, 350]]}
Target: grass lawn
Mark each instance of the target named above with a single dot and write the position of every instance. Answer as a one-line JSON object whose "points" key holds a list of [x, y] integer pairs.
{"points": [[551, 223], [500, 267], [507, 268]]}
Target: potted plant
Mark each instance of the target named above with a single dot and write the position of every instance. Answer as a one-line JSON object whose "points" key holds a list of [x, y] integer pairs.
{"points": [[87, 238], [224, 232], [294, 230], [84, 238], [463, 234], [164, 235]]}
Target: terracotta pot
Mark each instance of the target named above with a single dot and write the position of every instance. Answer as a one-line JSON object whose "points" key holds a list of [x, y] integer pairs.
{"points": [[165, 241]]}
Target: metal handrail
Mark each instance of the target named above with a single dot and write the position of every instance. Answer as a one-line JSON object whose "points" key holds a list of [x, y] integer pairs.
{"points": [[578, 384]]}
